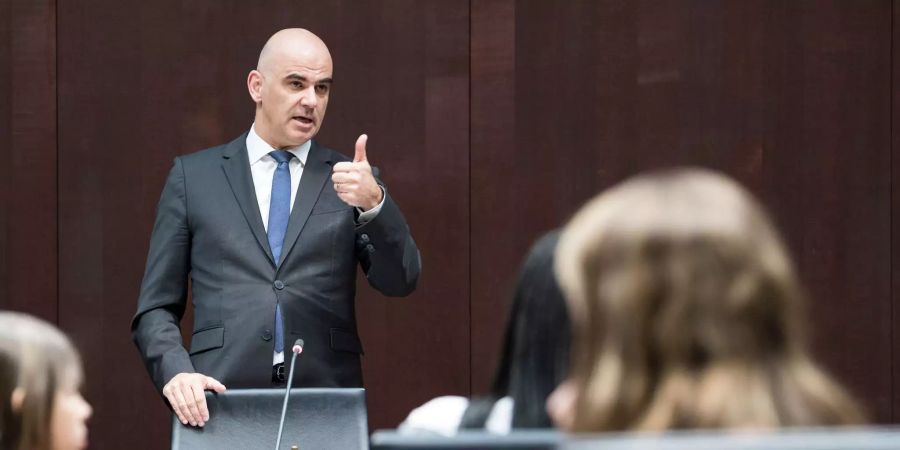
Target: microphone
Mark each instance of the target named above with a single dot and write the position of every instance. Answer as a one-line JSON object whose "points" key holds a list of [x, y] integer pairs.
{"points": [[296, 350]]}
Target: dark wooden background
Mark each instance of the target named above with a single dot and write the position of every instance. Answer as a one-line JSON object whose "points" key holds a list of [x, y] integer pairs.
{"points": [[492, 121]]}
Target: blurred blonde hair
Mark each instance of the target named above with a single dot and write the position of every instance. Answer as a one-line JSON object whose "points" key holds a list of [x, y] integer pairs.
{"points": [[38, 360], [687, 313]]}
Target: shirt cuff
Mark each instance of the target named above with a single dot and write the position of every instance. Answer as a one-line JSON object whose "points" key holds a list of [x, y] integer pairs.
{"points": [[367, 216]]}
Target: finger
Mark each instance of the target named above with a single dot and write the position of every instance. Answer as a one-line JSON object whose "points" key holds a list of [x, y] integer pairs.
{"points": [[343, 188], [191, 401], [350, 177], [345, 197], [181, 405], [214, 384], [360, 154], [343, 166], [342, 177], [350, 198], [200, 401], [172, 401]]}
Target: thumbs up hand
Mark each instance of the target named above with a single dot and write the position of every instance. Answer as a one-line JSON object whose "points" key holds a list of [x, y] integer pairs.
{"points": [[354, 182]]}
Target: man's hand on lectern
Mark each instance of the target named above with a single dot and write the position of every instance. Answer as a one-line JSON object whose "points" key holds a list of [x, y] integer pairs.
{"points": [[185, 393]]}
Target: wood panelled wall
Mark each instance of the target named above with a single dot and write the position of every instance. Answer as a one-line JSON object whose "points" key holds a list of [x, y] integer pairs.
{"points": [[791, 98], [28, 151], [492, 121]]}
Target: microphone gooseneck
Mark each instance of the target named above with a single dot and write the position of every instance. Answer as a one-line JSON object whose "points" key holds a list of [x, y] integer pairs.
{"points": [[296, 350]]}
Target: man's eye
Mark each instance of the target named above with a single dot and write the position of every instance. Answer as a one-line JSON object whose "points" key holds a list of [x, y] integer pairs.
{"points": [[295, 84], [322, 88]]}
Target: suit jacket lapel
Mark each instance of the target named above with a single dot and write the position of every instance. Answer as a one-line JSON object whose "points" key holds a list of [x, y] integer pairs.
{"points": [[236, 165], [315, 173]]}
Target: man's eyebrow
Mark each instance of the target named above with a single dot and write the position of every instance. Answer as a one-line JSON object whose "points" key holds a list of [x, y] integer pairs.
{"points": [[298, 77], [295, 76]]}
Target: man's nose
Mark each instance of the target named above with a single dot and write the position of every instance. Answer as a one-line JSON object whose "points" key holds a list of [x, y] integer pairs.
{"points": [[308, 97]]}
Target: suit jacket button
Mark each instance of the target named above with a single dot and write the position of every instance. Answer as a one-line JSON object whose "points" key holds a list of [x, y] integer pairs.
{"points": [[370, 248], [267, 335], [279, 284], [364, 238]]}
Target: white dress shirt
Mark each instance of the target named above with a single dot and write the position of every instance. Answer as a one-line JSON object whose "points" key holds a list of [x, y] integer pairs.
{"points": [[442, 415], [262, 169]]}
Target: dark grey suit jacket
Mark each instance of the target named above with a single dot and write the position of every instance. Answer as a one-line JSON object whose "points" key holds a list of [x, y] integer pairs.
{"points": [[209, 230]]}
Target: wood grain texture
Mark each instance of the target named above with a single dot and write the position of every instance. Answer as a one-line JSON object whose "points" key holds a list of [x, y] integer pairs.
{"points": [[28, 256], [895, 211]]}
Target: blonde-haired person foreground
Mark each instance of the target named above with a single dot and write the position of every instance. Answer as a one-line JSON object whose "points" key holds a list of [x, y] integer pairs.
{"points": [[40, 377], [686, 313]]}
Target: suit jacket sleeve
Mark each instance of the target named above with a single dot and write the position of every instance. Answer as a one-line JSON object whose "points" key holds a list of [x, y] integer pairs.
{"points": [[155, 326], [387, 251]]}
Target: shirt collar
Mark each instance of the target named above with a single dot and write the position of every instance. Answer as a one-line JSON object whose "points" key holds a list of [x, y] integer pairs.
{"points": [[257, 148]]}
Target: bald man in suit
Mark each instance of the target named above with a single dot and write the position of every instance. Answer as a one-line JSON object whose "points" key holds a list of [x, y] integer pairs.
{"points": [[270, 229]]}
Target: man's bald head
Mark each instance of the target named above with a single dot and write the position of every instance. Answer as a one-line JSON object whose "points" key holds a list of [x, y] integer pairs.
{"points": [[292, 43], [290, 86]]}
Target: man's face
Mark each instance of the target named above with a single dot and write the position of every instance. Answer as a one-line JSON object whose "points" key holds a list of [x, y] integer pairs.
{"points": [[294, 96]]}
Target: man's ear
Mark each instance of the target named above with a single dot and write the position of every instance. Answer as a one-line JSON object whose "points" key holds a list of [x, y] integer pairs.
{"points": [[17, 399], [254, 85]]}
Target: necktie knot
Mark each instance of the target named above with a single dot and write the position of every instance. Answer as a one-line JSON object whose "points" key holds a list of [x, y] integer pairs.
{"points": [[281, 156]]}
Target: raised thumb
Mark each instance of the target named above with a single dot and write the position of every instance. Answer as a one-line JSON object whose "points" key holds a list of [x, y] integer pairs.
{"points": [[360, 153]]}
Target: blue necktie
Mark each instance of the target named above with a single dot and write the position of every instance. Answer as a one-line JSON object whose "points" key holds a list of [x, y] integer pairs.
{"points": [[279, 213]]}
